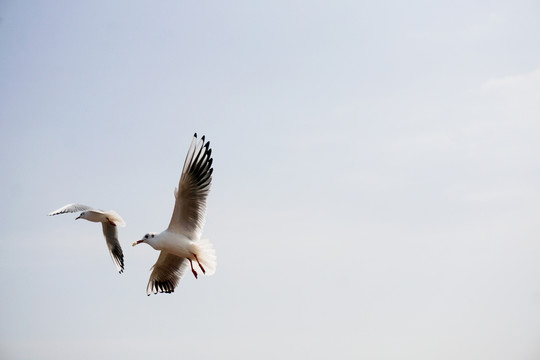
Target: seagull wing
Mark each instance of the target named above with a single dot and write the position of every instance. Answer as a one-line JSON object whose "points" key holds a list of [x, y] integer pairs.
{"points": [[69, 208], [190, 206], [167, 271], [111, 235]]}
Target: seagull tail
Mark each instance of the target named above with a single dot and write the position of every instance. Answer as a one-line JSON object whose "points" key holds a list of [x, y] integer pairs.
{"points": [[115, 218], [206, 255]]}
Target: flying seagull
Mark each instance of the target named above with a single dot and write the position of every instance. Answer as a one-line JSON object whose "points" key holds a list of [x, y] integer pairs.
{"points": [[109, 220], [181, 242]]}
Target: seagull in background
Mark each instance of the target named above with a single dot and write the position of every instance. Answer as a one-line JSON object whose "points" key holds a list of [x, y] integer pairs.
{"points": [[109, 220], [181, 242]]}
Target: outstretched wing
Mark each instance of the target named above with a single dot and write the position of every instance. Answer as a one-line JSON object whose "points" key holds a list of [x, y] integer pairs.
{"points": [[69, 208], [111, 236], [190, 206], [167, 271]]}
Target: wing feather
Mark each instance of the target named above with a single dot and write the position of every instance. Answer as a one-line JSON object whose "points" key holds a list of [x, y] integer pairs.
{"points": [[69, 208], [111, 236], [193, 189], [166, 273]]}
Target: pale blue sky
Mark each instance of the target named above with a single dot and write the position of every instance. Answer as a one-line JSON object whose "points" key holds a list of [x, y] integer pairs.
{"points": [[376, 177]]}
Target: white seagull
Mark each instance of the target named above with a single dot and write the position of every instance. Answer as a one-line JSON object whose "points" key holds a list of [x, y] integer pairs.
{"points": [[109, 220], [182, 241]]}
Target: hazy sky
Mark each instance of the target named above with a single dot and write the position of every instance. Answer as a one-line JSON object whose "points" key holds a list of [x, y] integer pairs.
{"points": [[376, 177]]}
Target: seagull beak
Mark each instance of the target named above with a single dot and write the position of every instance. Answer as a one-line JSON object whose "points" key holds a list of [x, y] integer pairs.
{"points": [[78, 217], [137, 242]]}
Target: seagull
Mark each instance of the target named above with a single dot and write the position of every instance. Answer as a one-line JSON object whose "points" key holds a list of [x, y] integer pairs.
{"points": [[109, 220], [181, 242]]}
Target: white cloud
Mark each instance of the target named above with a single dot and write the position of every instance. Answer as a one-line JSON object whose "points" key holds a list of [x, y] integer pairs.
{"points": [[511, 102], [527, 82]]}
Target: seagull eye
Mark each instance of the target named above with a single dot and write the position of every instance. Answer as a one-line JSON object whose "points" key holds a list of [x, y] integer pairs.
{"points": [[152, 235]]}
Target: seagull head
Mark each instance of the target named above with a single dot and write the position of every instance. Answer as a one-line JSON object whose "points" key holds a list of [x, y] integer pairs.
{"points": [[81, 216], [146, 239]]}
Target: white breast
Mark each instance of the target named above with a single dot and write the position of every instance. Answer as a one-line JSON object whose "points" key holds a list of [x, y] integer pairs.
{"points": [[174, 243]]}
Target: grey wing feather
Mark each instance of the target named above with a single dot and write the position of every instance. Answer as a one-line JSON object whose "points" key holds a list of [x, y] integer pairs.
{"points": [[111, 236], [193, 189], [69, 208], [166, 273]]}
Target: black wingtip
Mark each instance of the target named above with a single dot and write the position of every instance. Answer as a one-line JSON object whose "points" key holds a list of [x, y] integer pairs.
{"points": [[195, 135], [203, 137]]}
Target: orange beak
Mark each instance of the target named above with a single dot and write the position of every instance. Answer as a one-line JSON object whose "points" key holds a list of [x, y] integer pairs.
{"points": [[137, 242]]}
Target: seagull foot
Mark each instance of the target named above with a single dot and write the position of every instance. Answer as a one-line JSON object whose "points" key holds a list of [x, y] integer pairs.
{"points": [[204, 271], [192, 269]]}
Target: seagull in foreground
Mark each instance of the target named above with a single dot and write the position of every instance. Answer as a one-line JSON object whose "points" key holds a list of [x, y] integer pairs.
{"points": [[109, 220], [181, 242]]}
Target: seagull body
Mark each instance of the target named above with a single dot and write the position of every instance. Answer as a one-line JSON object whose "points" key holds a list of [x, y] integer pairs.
{"points": [[181, 242], [109, 221]]}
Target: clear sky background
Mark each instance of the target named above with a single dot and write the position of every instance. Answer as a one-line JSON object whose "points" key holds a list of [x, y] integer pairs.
{"points": [[376, 177]]}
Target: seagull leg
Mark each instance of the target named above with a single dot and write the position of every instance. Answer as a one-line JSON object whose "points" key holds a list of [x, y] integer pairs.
{"points": [[204, 271], [192, 269]]}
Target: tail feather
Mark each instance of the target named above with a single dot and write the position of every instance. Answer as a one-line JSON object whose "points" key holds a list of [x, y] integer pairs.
{"points": [[115, 218], [206, 255]]}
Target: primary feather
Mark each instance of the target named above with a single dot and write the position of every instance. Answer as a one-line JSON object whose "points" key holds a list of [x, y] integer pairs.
{"points": [[193, 188]]}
